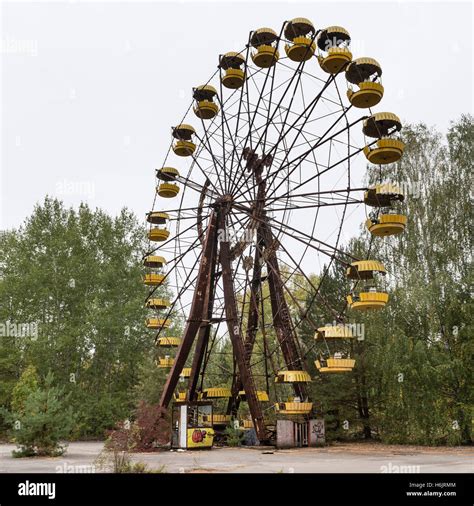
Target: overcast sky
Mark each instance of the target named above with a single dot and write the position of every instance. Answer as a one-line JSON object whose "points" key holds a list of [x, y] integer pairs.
{"points": [[90, 90]]}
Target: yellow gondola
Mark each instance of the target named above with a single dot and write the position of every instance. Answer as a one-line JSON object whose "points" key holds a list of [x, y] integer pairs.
{"points": [[368, 95], [383, 126], [300, 31], [183, 146], [165, 362], [154, 261], [205, 107], [383, 195], [234, 76], [157, 323], [186, 372], [167, 190], [385, 221], [334, 335], [292, 377], [216, 393], [334, 332], [386, 224], [333, 43], [218, 419], [153, 279], [365, 269], [386, 151], [157, 303], [365, 73], [371, 299], [167, 174], [262, 396], [168, 342], [294, 408], [180, 396], [264, 40], [157, 217], [332, 365], [157, 234]]}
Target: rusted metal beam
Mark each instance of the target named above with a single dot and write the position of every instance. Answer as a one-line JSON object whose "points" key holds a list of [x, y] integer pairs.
{"points": [[280, 311], [255, 164], [251, 332], [245, 372], [205, 329], [196, 315]]}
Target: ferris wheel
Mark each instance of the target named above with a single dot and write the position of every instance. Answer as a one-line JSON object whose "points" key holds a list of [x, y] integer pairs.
{"points": [[262, 173]]}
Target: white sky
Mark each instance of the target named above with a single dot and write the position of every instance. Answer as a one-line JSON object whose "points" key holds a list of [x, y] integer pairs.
{"points": [[90, 90]]}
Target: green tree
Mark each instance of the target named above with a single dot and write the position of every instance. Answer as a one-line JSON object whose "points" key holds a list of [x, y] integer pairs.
{"points": [[44, 417], [76, 277]]}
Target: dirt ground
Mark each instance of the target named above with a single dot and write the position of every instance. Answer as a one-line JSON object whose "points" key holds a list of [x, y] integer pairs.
{"points": [[81, 457]]}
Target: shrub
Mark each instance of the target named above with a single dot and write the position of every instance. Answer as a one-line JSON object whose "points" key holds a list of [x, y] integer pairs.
{"points": [[41, 419], [150, 429], [233, 436]]}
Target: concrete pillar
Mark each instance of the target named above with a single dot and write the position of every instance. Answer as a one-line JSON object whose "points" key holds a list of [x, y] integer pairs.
{"points": [[285, 433], [316, 434]]}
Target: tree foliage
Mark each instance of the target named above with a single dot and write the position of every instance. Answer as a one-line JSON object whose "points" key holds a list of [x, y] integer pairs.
{"points": [[43, 418]]}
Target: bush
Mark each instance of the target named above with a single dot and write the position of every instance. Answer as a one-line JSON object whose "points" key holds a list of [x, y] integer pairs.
{"points": [[149, 430], [41, 418], [233, 436]]}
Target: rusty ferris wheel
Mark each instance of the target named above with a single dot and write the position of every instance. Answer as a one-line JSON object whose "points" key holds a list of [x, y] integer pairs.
{"points": [[263, 172]]}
